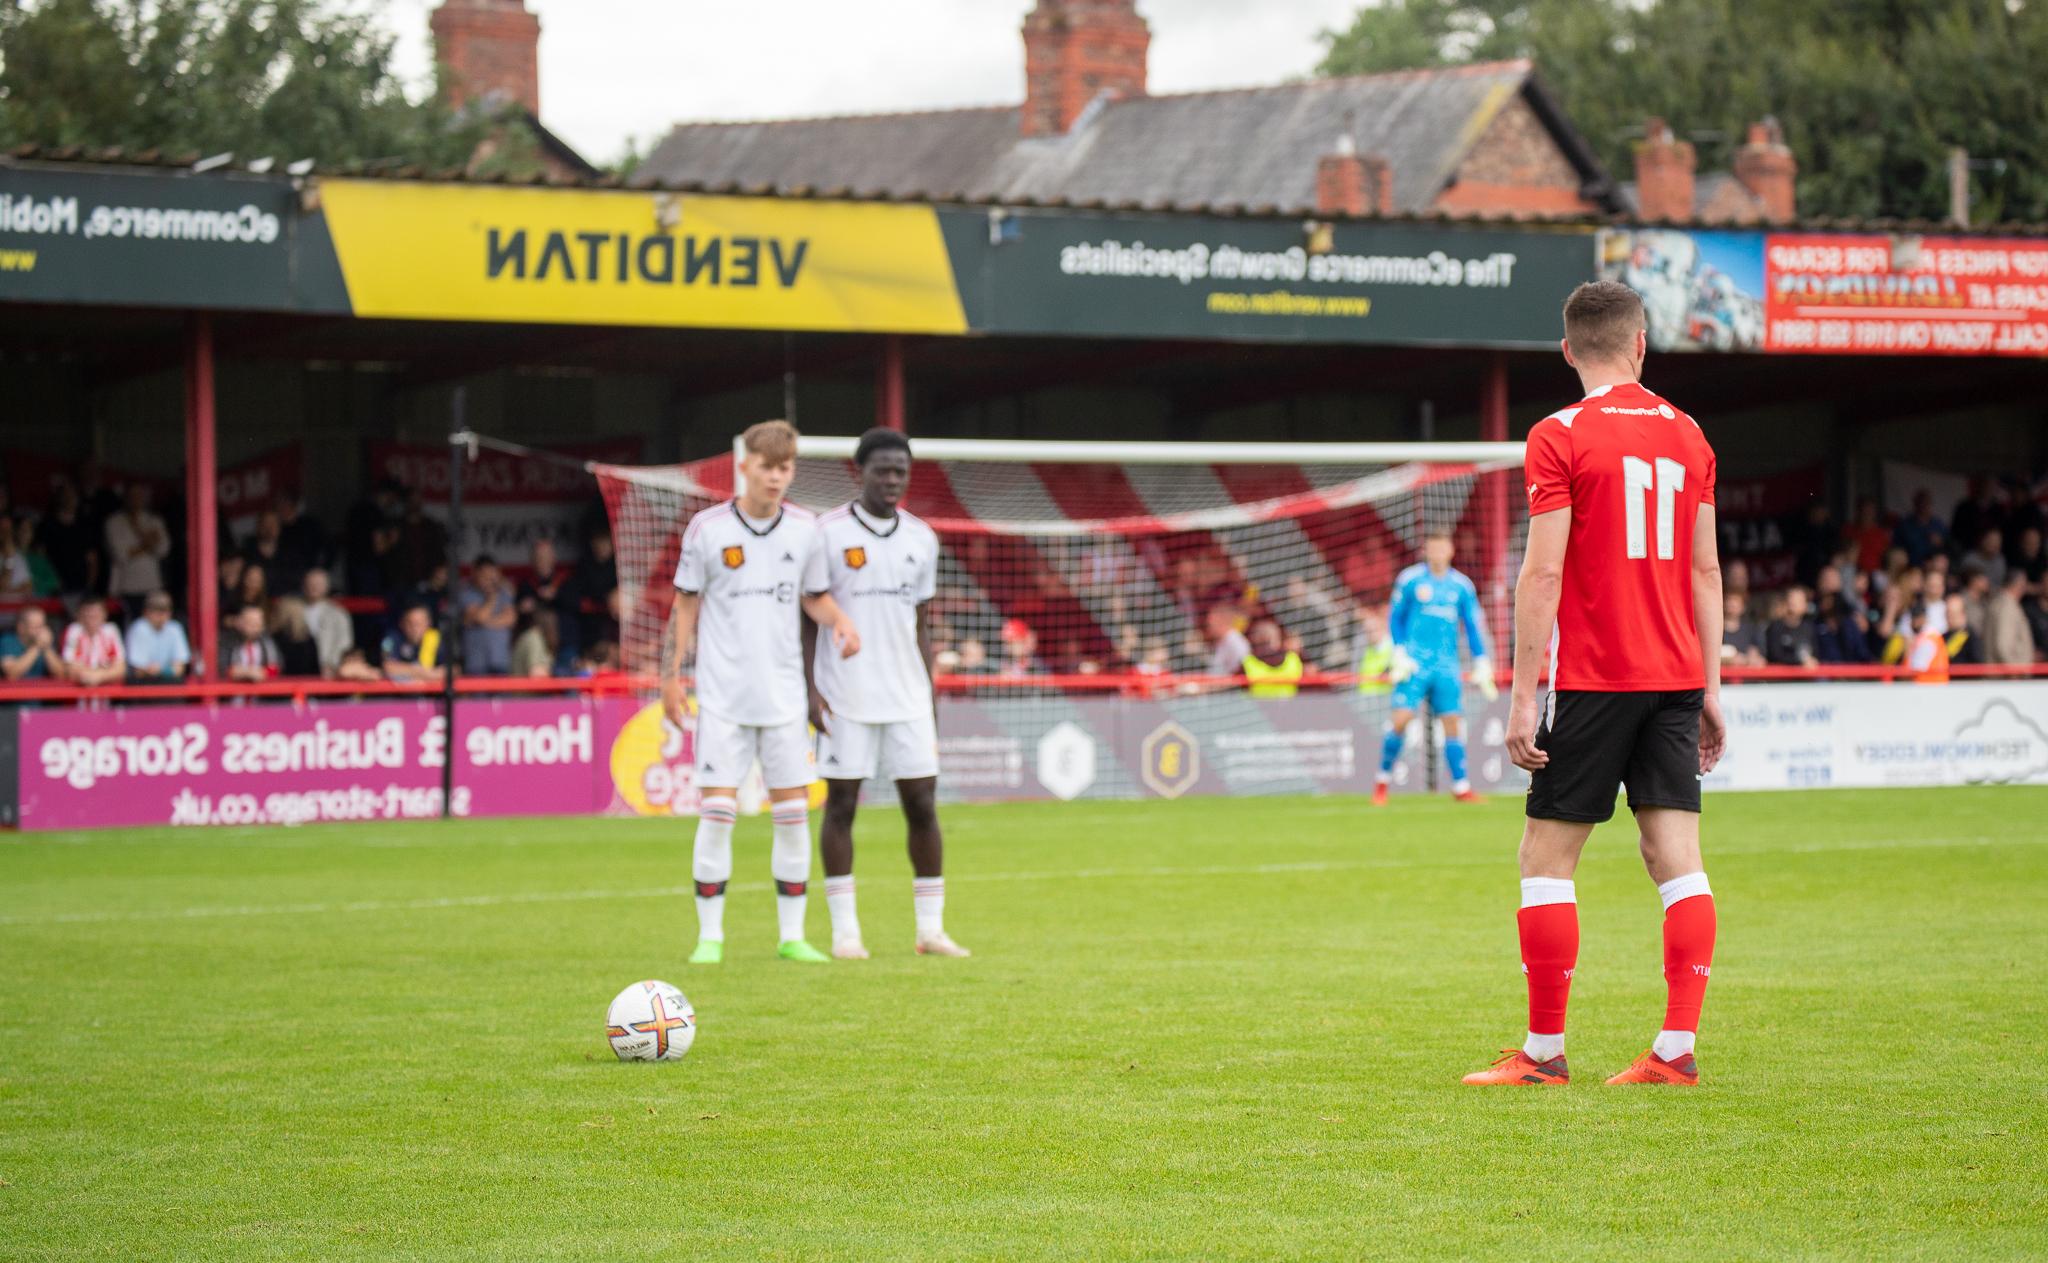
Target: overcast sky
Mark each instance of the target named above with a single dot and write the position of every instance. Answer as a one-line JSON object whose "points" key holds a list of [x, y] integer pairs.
{"points": [[613, 69]]}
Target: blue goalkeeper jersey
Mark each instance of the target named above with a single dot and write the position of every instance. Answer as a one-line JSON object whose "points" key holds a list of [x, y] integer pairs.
{"points": [[1427, 612]]}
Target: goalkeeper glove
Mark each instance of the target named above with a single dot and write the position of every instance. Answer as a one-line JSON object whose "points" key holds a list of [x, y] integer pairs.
{"points": [[1482, 678], [1403, 666]]}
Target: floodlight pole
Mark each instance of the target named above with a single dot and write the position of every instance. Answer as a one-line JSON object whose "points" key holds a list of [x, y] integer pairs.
{"points": [[459, 441]]}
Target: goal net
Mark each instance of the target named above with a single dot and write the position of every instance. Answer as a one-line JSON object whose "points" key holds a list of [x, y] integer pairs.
{"points": [[1104, 566]]}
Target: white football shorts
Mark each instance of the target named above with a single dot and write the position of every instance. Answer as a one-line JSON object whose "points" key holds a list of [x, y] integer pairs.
{"points": [[853, 751], [726, 752]]}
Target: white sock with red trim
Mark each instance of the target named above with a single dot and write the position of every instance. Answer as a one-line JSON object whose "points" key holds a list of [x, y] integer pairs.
{"points": [[711, 864], [839, 902], [789, 860], [928, 901]]}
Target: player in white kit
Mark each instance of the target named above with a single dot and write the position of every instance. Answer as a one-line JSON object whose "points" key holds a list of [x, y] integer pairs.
{"points": [[876, 714], [746, 568]]}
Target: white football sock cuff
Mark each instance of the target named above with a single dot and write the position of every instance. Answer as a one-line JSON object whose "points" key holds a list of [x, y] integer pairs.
{"points": [[1683, 888], [711, 855], [1538, 891]]}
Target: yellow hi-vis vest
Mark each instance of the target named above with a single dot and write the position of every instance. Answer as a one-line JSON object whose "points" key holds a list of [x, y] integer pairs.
{"points": [[1267, 680], [1378, 660]]}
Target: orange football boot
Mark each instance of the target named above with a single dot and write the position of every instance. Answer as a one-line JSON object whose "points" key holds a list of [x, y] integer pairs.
{"points": [[1650, 1068], [1379, 794], [1515, 1067], [1467, 796]]}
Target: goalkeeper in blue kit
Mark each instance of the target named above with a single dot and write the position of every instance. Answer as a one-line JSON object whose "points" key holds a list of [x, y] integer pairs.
{"points": [[1432, 602]]}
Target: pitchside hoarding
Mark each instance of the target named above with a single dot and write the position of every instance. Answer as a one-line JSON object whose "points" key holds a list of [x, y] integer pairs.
{"points": [[1835, 293], [363, 761]]}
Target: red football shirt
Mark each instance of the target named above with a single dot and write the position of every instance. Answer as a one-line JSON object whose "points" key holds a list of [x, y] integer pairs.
{"points": [[1634, 471]]}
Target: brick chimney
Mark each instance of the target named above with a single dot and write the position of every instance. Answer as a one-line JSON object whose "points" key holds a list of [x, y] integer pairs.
{"points": [[1074, 49], [488, 49], [1768, 170], [1664, 174], [1347, 184]]}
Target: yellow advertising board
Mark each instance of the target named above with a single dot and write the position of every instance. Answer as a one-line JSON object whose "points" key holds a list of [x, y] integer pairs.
{"points": [[556, 256]]}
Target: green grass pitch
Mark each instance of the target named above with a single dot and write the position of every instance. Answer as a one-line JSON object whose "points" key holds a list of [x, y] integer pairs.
{"points": [[1202, 1030]]}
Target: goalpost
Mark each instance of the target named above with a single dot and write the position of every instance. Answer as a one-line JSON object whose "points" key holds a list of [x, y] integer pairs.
{"points": [[1087, 566]]}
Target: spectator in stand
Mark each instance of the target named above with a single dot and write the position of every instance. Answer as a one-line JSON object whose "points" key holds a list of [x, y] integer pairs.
{"points": [[229, 571], [1736, 576], [1988, 557], [489, 613], [1372, 652], [1272, 668], [334, 630], [1964, 649], [603, 659], [421, 547], [373, 533], [431, 592], [2008, 640], [92, 647], [137, 543], [100, 501], [303, 538], [247, 653], [266, 550], [1867, 536], [2024, 514], [29, 652], [412, 650], [355, 665], [1927, 654], [596, 578], [42, 571], [1934, 596], [552, 587], [253, 588], [17, 581], [2028, 556], [1841, 633], [973, 658], [1921, 534], [2035, 607], [1020, 650], [1980, 510], [533, 653], [298, 653], [1789, 639], [158, 652], [1814, 542], [1228, 646], [1742, 643], [72, 541], [1977, 592], [1155, 659]]}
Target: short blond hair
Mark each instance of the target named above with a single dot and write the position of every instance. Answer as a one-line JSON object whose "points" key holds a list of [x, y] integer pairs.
{"points": [[772, 441], [1601, 319]]}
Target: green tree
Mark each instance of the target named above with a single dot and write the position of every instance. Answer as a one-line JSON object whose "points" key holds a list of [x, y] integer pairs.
{"points": [[1872, 94], [280, 78]]}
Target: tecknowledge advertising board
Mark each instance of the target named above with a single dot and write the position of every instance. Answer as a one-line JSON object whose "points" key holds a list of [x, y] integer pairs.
{"points": [[381, 761]]}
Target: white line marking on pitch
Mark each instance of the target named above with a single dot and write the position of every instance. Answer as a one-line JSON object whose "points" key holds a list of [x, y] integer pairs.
{"points": [[1072, 874]]}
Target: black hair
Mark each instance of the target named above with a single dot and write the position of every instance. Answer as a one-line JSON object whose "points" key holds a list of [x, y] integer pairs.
{"points": [[879, 439]]}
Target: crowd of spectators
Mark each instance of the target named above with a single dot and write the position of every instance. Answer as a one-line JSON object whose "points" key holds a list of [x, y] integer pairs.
{"points": [[1920, 591], [87, 581]]}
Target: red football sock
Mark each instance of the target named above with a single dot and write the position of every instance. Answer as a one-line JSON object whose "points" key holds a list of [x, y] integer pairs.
{"points": [[1550, 951], [1688, 959]]}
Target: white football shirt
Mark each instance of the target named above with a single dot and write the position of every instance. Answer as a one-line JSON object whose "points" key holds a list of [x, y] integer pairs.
{"points": [[750, 653], [880, 571]]}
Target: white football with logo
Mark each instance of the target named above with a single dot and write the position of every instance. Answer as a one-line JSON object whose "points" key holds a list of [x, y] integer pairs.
{"points": [[650, 1021]]}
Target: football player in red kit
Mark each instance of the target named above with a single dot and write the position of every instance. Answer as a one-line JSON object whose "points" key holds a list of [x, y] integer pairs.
{"points": [[1621, 593]]}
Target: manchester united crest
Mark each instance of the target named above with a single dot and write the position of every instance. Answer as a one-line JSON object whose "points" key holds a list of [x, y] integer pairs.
{"points": [[735, 557], [856, 558]]}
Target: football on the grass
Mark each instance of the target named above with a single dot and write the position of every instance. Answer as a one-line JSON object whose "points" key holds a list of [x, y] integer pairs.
{"points": [[650, 1021]]}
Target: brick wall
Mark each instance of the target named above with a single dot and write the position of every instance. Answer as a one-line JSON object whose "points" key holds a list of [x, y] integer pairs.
{"points": [[1515, 167], [1074, 49], [489, 48]]}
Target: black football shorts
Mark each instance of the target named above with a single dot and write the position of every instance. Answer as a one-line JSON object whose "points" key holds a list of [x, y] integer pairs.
{"points": [[1598, 742]]}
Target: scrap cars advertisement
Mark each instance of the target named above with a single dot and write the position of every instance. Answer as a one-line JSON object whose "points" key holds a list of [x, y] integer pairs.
{"points": [[1835, 293]]}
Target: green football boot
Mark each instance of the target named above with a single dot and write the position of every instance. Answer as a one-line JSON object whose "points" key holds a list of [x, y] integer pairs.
{"points": [[797, 949], [710, 951]]}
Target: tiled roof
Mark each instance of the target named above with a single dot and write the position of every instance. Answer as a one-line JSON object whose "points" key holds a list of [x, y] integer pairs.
{"points": [[1250, 147]]}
